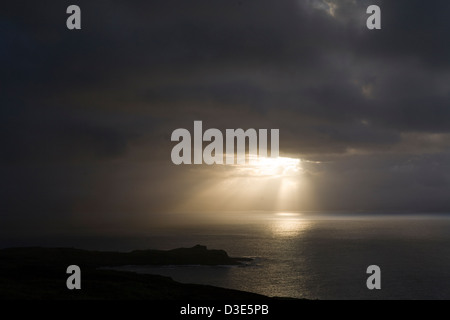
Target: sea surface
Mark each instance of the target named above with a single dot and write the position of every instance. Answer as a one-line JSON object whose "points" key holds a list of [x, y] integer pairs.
{"points": [[307, 257]]}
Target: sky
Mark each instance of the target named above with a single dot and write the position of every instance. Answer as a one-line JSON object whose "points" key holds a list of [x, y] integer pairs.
{"points": [[87, 115]]}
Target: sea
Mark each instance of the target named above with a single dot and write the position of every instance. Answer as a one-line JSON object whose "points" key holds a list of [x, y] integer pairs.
{"points": [[309, 257]]}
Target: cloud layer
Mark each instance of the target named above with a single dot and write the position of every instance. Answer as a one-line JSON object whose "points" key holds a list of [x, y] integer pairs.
{"points": [[86, 115]]}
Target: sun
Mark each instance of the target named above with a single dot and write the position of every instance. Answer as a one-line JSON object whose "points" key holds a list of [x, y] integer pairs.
{"points": [[271, 167]]}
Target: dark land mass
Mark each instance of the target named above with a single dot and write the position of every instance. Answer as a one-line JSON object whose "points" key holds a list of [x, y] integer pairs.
{"points": [[40, 273]]}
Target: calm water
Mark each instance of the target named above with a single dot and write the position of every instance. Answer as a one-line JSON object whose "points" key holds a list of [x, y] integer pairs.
{"points": [[324, 259], [312, 258]]}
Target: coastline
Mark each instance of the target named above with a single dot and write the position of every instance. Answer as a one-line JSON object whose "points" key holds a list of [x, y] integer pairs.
{"points": [[40, 274]]}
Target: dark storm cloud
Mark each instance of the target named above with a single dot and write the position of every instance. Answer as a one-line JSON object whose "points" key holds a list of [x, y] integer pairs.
{"points": [[412, 29], [30, 134], [114, 91], [392, 182]]}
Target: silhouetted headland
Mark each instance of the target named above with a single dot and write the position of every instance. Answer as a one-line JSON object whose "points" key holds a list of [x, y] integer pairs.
{"points": [[40, 273]]}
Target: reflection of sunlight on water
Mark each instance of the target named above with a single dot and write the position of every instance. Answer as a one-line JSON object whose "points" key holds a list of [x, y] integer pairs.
{"points": [[287, 224]]}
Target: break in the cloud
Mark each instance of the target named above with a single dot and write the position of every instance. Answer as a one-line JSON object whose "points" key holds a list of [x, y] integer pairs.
{"points": [[86, 116]]}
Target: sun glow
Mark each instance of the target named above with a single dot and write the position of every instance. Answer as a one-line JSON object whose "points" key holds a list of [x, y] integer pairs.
{"points": [[280, 184], [272, 167], [289, 224], [287, 214]]}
